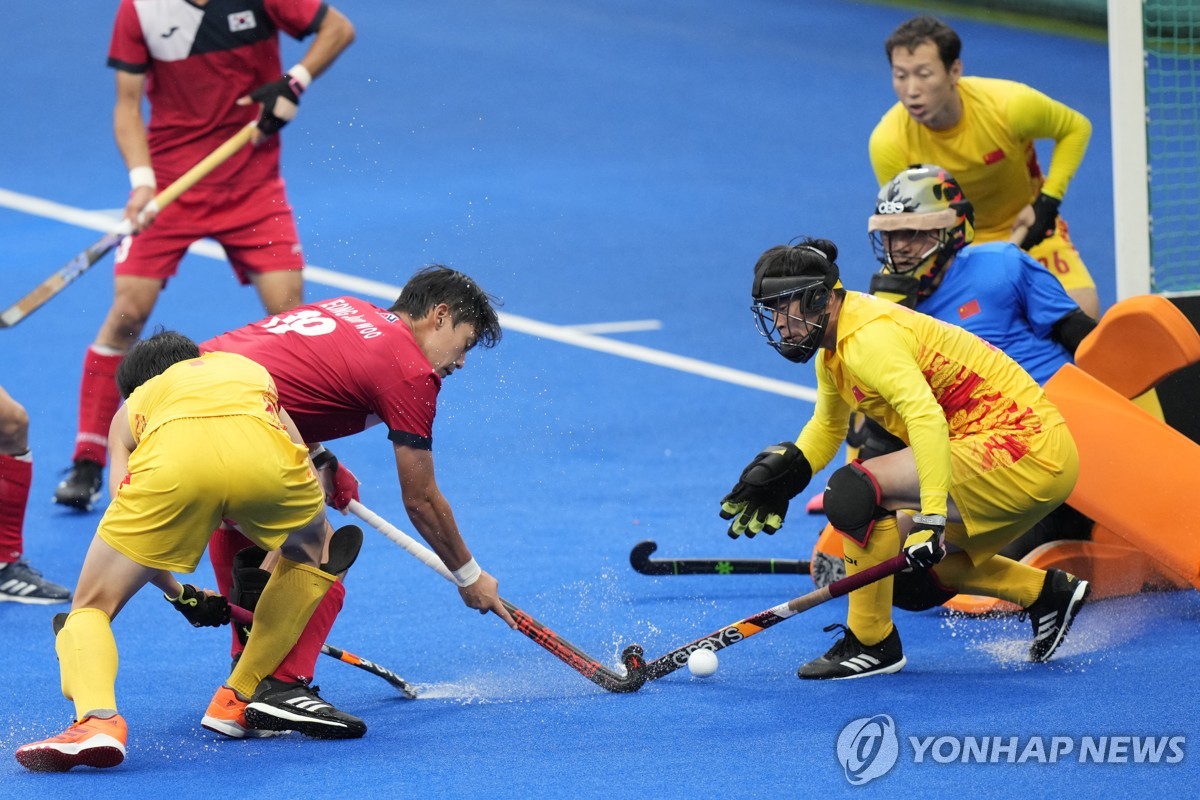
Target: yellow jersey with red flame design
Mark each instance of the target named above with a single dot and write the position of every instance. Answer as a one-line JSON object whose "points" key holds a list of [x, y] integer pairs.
{"points": [[186, 390], [929, 383]]}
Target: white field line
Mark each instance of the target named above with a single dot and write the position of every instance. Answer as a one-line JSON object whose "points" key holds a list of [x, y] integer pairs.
{"points": [[576, 336]]}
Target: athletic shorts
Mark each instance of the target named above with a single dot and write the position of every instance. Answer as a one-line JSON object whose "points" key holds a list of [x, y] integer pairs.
{"points": [[254, 225], [1058, 254], [1000, 504], [190, 473]]}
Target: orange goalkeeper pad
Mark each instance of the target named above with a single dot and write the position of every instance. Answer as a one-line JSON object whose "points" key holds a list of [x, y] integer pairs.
{"points": [[1137, 476], [1139, 341]]}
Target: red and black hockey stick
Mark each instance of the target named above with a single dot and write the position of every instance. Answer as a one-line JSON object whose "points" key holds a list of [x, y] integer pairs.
{"points": [[745, 628], [47, 289], [568, 653], [241, 616], [639, 559]]}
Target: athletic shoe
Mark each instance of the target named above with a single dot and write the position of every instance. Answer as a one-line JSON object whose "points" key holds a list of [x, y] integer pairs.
{"points": [[91, 742], [850, 658], [82, 487], [21, 583], [226, 715], [1054, 610], [295, 706]]}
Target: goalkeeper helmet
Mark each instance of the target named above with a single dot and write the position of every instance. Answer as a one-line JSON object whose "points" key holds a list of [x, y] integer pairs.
{"points": [[791, 290], [921, 221]]}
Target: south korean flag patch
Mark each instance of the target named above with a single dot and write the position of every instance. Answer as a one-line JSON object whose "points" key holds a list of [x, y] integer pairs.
{"points": [[242, 21]]}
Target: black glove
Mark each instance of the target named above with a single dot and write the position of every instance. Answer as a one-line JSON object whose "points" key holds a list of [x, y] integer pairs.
{"points": [[924, 546], [900, 289], [200, 609], [280, 99], [759, 500], [1045, 215]]}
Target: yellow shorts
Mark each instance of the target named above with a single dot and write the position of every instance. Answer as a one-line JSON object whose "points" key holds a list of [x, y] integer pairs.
{"points": [[1058, 254], [188, 474], [1000, 504]]}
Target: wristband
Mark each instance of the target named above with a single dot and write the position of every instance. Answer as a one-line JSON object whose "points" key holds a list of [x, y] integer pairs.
{"points": [[142, 176], [301, 75], [321, 458], [467, 574]]}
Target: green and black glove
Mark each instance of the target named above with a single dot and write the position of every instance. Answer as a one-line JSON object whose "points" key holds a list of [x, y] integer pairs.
{"points": [[759, 500]]}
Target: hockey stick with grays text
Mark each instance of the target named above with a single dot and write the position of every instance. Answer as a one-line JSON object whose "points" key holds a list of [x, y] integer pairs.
{"points": [[568, 653], [81, 263], [639, 559], [241, 616], [745, 628]]}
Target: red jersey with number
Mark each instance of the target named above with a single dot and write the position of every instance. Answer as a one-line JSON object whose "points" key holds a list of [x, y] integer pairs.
{"points": [[341, 366], [198, 60]]}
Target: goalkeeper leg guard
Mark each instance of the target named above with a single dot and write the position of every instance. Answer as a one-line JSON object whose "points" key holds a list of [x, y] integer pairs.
{"points": [[87, 661], [287, 603]]}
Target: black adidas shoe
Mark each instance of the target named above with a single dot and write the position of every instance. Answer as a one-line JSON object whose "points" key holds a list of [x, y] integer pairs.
{"points": [[286, 706], [1054, 610], [850, 658], [82, 487], [21, 583]]}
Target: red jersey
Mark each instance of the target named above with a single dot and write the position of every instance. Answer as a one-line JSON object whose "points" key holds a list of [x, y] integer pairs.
{"points": [[198, 60], [341, 366]]}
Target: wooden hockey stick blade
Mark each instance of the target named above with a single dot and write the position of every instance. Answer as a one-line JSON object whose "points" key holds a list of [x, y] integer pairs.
{"points": [[47, 289], [241, 616], [639, 559], [756, 623]]}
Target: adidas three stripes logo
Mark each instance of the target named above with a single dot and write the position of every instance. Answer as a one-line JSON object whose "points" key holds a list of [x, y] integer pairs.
{"points": [[861, 662]]}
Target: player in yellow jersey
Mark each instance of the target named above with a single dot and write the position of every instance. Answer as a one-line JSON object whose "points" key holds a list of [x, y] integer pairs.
{"points": [[199, 439], [987, 455], [982, 130]]}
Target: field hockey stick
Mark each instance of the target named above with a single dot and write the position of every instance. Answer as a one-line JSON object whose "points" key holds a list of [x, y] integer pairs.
{"points": [[568, 653], [81, 263], [639, 559], [243, 617], [745, 628]]}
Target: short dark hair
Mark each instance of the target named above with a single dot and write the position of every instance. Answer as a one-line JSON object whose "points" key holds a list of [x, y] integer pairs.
{"points": [[468, 302], [151, 357], [918, 30]]}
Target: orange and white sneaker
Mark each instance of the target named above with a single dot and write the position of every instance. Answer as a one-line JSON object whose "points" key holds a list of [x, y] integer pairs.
{"points": [[226, 715], [91, 742]]}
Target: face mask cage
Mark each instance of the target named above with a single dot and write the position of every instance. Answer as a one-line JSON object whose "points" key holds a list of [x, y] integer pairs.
{"points": [[908, 252], [795, 336]]}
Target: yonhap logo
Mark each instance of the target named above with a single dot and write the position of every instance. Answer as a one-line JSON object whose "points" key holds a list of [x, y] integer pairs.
{"points": [[868, 748]]}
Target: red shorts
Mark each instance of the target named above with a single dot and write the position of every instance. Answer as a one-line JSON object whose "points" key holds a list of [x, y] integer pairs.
{"points": [[254, 225]]}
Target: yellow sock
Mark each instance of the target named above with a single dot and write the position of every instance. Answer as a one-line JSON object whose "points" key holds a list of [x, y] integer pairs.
{"points": [[87, 661], [870, 615], [997, 577], [287, 601]]}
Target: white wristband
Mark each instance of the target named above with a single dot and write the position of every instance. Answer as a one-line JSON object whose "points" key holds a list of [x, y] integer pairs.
{"points": [[467, 574], [301, 74], [142, 176]]}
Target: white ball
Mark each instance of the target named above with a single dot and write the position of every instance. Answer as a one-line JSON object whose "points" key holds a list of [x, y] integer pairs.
{"points": [[702, 663]]}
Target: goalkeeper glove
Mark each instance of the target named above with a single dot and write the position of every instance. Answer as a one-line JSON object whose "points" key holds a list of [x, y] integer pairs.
{"points": [[1045, 215], [280, 100], [202, 609], [924, 546], [339, 482], [759, 500]]}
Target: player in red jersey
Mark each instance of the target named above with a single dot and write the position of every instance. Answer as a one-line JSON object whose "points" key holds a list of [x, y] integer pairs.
{"points": [[341, 366], [207, 68]]}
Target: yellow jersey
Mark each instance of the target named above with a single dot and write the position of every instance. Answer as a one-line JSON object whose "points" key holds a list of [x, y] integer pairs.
{"points": [[990, 151], [927, 382]]}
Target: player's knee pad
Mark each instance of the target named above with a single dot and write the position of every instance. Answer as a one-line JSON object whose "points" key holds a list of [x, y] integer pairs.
{"points": [[344, 546], [852, 502], [247, 583], [918, 590], [871, 438]]}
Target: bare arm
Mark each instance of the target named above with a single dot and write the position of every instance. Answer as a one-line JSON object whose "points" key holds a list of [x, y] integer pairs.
{"points": [[335, 35], [129, 129], [120, 445], [433, 518]]}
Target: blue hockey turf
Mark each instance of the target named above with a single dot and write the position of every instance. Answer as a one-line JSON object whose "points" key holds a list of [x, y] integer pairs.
{"points": [[593, 163]]}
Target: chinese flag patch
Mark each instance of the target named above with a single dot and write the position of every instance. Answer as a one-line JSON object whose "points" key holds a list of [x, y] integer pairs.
{"points": [[993, 157], [969, 309]]}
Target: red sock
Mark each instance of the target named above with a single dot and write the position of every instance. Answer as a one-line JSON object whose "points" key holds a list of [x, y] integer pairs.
{"points": [[222, 547], [301, 662], [16, 474], [98, 403]]}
